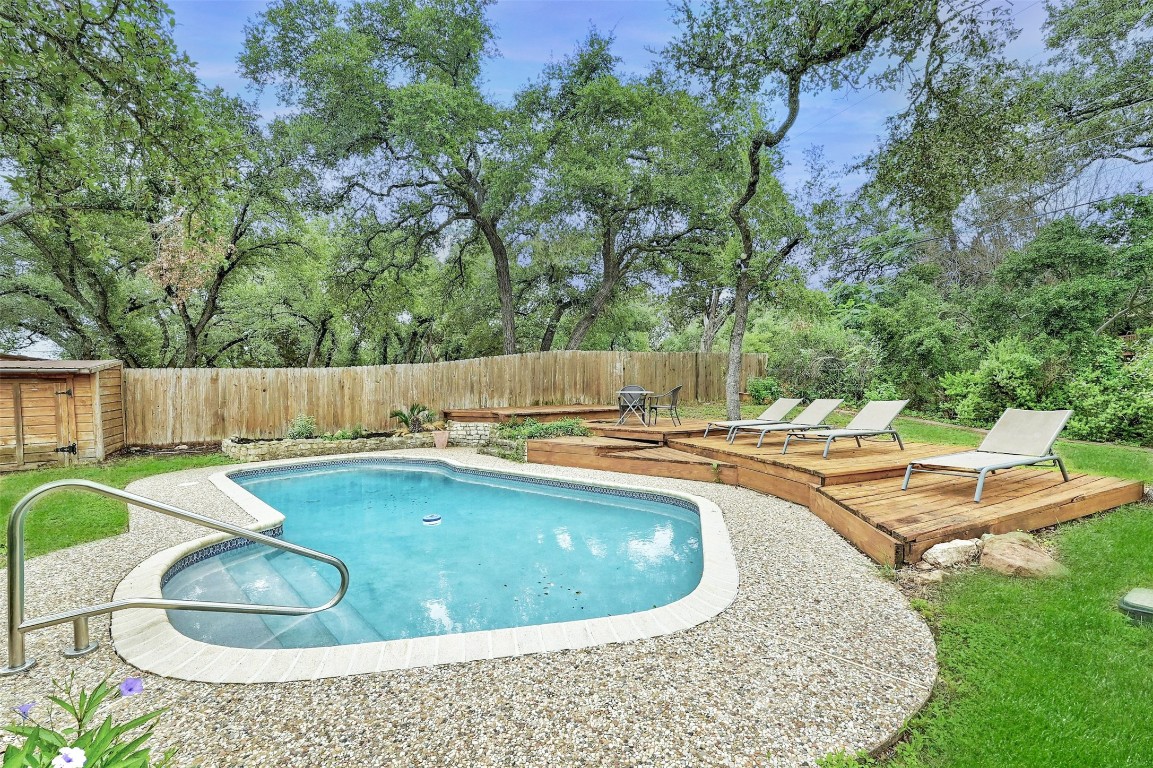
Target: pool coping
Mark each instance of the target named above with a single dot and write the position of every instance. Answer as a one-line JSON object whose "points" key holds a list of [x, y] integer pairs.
{"points": [[146, 639]]}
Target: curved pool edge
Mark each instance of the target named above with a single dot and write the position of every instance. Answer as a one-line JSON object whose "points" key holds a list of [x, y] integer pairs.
{"points": [[146, 639]]}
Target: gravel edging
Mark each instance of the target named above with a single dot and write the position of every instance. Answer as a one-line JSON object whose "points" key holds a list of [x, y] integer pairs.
{"points": [[817, 653]]}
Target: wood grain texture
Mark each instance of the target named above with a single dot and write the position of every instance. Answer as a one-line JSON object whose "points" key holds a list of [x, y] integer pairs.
{"points": [[172, 405]]}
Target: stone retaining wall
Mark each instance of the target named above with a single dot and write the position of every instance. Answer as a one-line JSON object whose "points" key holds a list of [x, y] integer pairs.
{"points": [[513, 450], [468, 433], [291, 449]]}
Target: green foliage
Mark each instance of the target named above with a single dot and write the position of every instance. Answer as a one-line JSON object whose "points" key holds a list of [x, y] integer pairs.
{"points": [[813, 356], [1001, 642], [845, 760], [414, 419], [1009, 376], [764, 389], [531, 429], [66, 518], [355, 433], [104, 745], [302, 427]]}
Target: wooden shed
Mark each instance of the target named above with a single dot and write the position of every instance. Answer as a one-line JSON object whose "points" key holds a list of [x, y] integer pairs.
{"points": [[60, 412]]}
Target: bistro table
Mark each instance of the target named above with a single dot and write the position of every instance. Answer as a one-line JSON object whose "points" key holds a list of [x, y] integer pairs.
{"points": [[633, 401]]}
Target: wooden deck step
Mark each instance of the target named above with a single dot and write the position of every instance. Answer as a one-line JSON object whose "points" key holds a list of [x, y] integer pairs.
{"points": [[541, 413], [938, 509], [592, 446], [646, 460], [661, 432]]}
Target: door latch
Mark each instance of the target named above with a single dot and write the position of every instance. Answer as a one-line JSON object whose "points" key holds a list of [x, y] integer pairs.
{"points": [[67, 449]]}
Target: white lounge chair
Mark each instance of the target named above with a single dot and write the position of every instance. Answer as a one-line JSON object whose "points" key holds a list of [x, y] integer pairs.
{"points": [[874, 420], [813, 417], [774, 414], [1019, 439]]}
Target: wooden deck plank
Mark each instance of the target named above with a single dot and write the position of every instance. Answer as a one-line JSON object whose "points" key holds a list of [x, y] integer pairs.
{"points": [[858, 491], [542, 413], [661, 432]]}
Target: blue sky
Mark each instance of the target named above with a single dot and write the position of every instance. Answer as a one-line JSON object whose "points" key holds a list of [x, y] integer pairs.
{"points": [[530, 33]]}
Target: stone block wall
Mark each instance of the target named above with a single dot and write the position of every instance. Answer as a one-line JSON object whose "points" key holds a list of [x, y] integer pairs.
{"points": [[468, 433], [264, 450]]}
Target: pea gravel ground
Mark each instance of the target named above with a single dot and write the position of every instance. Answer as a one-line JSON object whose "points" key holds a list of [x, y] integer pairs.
{"points": [[818, 653]]}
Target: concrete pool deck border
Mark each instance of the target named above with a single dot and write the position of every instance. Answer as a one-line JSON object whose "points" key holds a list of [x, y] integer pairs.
{"points": [[146, 639]]}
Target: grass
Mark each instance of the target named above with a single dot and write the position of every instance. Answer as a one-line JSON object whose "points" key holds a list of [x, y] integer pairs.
{"points": [[1044, 672], [1038, 673], [66, 518]]}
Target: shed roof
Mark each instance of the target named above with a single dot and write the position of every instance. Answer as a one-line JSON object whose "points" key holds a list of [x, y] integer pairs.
{"points": [[8, 367]]}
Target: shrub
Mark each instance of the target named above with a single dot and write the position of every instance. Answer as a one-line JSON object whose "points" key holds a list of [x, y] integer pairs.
{"points": [[531, 429], [879, 389], [1111, 400], [413, 419], [1010, 376], [302, 427], [106, 744], [764, 389]]}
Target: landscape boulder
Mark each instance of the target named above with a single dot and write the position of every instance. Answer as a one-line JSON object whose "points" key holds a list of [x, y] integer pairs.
{"points": [[951, 553], [1019, 554]]}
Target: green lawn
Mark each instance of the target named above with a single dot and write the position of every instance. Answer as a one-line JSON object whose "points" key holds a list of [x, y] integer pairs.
{"points": [[65, 518], [1039, 673]]}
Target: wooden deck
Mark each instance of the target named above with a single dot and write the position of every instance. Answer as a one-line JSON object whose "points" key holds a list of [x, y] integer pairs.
{"points": [[632, 456], [538, 412], [857, 491], [661, 433]]}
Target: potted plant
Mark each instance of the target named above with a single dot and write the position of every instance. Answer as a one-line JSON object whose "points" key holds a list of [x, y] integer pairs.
{"points": [[439, 434], [417, 419]]}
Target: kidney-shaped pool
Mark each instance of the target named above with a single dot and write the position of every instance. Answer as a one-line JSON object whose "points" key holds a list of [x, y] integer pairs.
{"points": [[434, 549]]}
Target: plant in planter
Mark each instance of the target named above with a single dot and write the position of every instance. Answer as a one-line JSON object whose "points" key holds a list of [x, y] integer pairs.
{"points": [[413, 420], [439, 432]]}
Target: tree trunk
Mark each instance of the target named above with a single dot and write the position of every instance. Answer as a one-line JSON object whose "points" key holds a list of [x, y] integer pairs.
{"points": [[558, 311], [503, 282], [736, 342], [713, 321], [610, 276]]}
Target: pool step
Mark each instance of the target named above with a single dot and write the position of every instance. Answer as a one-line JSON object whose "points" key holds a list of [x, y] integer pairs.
{"points": [[213, 582], [306, 577], [264, 584]]}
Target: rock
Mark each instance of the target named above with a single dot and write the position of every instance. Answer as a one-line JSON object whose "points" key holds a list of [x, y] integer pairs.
{"points": [[1019, 554], [929, 577], [182, 447], [950, 553]]}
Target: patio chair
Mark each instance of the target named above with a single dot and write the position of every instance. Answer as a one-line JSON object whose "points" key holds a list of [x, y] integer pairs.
{"points": [[631, 400], [1019, 439], [813, 417], [874, 420], [656, 404], [774, 414]]}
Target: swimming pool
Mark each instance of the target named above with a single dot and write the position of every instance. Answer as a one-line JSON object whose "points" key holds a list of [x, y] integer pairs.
{"points": [[507, 552]]}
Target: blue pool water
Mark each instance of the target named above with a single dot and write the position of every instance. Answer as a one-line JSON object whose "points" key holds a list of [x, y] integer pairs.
{"points": [[505, 553]]}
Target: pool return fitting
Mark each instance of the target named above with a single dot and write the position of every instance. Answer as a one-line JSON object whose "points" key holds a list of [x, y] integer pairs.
{"points": [[18, 626]]}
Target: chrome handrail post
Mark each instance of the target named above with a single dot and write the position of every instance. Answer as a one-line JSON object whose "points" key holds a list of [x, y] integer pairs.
{"points": [[18, 626], [17, 662]]}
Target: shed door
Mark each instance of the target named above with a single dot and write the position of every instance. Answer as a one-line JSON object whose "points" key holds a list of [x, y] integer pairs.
{"points": [[36, 419]]}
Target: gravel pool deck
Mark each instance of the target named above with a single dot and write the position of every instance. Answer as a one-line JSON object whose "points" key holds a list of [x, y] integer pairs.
{"points": [[818, 653]]}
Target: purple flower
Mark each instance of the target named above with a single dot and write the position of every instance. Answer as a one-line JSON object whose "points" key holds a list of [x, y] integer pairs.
{"points": [[25, 710], [131, 686]]}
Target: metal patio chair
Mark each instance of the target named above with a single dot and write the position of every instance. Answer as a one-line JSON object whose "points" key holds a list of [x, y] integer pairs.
{"points": [[656, 404]]}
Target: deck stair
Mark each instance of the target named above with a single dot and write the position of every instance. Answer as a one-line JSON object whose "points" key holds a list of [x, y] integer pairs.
{"points": [[857, 490], [632, 456]]}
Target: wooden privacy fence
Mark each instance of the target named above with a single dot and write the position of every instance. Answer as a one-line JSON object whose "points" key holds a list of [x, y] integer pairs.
{"points": [[168, 406]]}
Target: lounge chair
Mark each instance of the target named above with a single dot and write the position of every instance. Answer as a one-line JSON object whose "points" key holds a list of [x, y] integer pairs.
{"points": [[774, 414], [1019, 439], [813, 417], [874, 420], [666, 402]]}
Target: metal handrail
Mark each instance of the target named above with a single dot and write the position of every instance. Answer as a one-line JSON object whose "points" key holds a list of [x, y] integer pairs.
{"points": [[18, 626]]}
